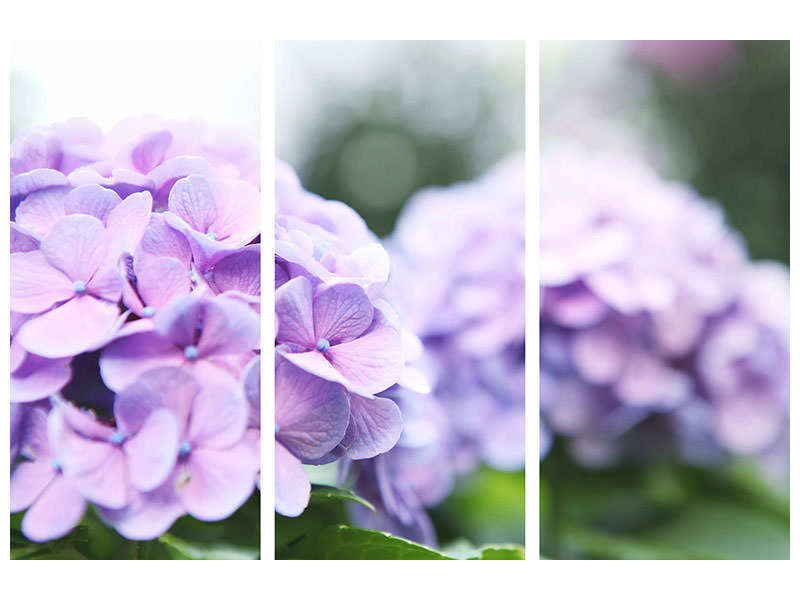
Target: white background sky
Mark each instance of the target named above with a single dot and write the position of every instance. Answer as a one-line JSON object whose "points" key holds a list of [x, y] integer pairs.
{"points": [[104, 80]]}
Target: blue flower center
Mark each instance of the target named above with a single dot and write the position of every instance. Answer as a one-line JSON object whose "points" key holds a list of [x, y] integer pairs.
{"points": [[323, 345], [212, 235], [79, 287], [191, 352], [277, 429], [148, 311], [184, 449], [116, 438], [57, 465]]}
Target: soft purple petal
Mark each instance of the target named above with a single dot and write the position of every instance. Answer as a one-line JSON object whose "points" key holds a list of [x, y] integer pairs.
{"points": [[161, 279], [206, 251], [57, 510], [292, 487], [167, 387], [237, 219], [77, 326], [293, 306], [372, 362], [128, 221], [95, 466], [342, 312], [311, 414], [192, 199], [91, 199], [220, 481], [178, 320], [28, 481], [22, 240], [219, 414], [229, 327], [41, 210], [600, 353], [374, 428], [251, 384], [126, 182], [152, 452], [82, 421], [36, 179], [160, 239], [106, 283], [38, 378], [148, 515], [127, 358], [150, 150], [315, 363], [77, 245], [97, 469], [240, 271], [35, 284], [748, 425], [173, 169]]}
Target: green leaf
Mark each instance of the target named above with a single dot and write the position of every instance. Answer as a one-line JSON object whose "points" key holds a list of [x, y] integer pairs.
{"points": [[62, 548], [327, 492], [341, 542], [724, 530], [62, 554], [182, 549], [584, 543], [502, 552]]}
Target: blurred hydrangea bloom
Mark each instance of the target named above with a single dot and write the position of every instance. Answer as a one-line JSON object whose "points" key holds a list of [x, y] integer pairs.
{"points": [[458, 280], [653, 336], [134, 270], [338, 342], [689, 62]]}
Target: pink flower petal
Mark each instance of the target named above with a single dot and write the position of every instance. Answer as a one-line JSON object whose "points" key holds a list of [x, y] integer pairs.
{"points": [[35, 284], [292, 487], [79, 325], [219, 481], [341, 313], [77, 245]]}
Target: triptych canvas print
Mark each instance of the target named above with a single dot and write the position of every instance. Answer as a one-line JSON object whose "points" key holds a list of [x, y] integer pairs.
{"points": [[604, 317]]}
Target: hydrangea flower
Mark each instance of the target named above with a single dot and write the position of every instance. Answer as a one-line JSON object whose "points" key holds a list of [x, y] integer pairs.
{"points": [[338, 342], [650, 325], [458, 281], [135, 270]]}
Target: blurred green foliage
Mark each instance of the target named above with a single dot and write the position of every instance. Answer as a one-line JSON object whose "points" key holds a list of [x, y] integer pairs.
{"points": [[436, 115], [664, 511], [736, 131], [486, 507]]}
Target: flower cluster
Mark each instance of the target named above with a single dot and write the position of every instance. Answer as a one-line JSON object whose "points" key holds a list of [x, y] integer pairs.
{"points": [[338, 342], [657, 332], [135, 290], [458, 280]]}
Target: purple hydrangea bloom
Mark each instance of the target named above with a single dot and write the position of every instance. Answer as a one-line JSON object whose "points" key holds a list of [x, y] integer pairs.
{"points": [[338, 342], [652, 335], [206, 469], [458, 281], [38, 484], [137, 247]]}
